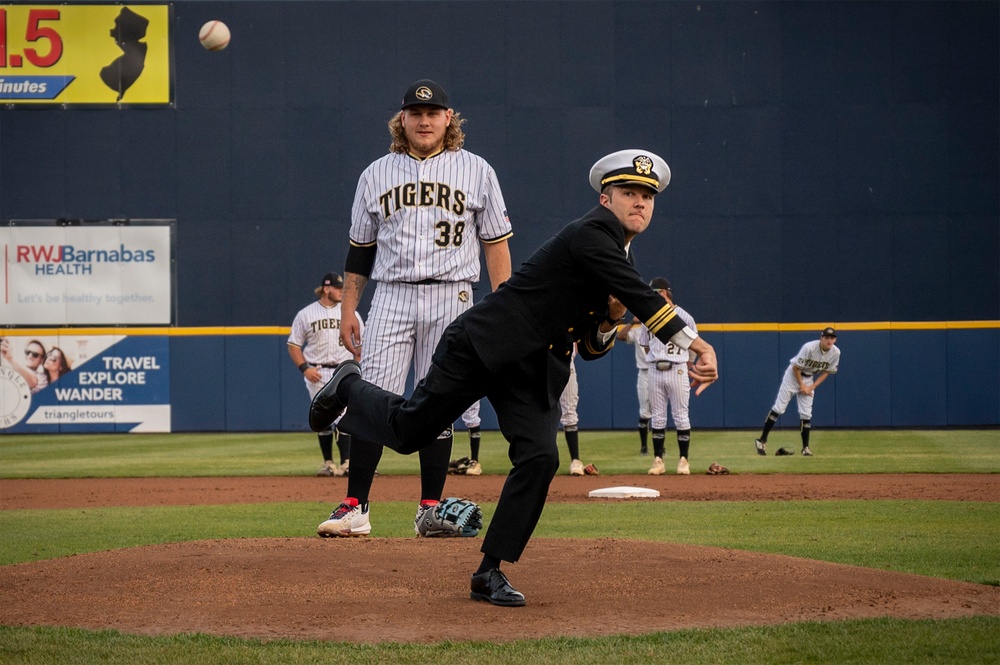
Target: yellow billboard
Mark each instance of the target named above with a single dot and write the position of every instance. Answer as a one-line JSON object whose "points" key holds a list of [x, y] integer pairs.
{"points": [[85, 54]]}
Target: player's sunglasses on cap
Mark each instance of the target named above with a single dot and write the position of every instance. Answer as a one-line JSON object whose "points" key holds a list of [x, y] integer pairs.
{"points": [[425, 92], [660, 283], [332, 279], [33, 354]]}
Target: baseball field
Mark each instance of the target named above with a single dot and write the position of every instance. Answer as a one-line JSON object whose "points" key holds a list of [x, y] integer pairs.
{"points": [[201, 548]]}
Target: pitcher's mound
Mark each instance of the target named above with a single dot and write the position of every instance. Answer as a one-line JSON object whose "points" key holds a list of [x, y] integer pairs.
{"points": [[417, 590]]}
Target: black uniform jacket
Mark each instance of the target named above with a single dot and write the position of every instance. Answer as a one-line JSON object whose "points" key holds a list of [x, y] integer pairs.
{"points": [[560, 296]]}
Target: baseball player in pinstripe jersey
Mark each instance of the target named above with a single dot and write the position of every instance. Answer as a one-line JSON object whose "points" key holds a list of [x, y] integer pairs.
{"points": [[314, 346], [669, 386], [570, 419], [629, 333], [815, 361], [420, 214]]}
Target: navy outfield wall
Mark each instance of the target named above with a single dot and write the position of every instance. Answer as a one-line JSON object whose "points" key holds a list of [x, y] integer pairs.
{"points": [[246, 382], [832, 161]]}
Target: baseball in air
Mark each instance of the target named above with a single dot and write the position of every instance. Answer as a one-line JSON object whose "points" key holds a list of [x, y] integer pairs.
{"points": [[214, 35]]}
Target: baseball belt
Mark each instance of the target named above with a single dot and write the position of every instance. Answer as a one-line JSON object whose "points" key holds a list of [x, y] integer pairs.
{"points": [[664, 365], [333, 366], [425, 282]]}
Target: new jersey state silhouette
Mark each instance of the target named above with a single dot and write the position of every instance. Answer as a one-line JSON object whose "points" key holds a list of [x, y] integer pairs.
{"points": [[126, 69]]}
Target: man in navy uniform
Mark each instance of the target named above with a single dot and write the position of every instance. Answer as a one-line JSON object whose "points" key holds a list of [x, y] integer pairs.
{"points": [[514, 347]]}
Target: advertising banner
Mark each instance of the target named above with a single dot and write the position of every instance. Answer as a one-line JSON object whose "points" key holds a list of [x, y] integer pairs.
{"points": [[86, 275], [84, 383], [85, 54]]}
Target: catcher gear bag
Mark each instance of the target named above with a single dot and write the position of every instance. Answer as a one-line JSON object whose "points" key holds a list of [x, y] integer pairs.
{"points": [[451, 517]]}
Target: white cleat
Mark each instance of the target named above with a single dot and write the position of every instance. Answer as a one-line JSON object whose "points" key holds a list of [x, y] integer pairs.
{"points": [[658, 468], [346, 520], [328, 469], [683, 468]]}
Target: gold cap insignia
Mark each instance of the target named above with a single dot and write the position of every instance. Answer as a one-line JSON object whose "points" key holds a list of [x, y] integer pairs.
{"points": [[643, 165]]}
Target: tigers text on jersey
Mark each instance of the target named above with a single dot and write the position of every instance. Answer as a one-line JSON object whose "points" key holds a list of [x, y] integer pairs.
{"points": [[316, 329], [812, 360], [670, 351], [428, 215]]}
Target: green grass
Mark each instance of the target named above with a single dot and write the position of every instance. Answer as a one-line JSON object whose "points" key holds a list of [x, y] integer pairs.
{"points": [[292, 454], [947, 539], [862, 642]]}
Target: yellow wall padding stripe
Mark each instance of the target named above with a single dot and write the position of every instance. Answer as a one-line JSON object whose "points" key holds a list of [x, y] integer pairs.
{"points": [[848, 327], [703, 327]]}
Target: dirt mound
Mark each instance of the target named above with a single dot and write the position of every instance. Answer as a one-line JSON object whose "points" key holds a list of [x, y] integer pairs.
{"points": [[295, 588]]}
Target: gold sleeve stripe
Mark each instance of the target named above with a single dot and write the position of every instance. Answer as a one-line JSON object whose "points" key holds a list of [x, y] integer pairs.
{"points": [[661, 318], [589, 344], [503, 237]]}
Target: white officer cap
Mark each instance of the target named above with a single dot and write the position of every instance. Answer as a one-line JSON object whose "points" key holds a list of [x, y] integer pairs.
{"points": [[630, 167]]}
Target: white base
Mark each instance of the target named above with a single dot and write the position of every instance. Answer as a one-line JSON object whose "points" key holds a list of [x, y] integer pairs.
{"points": [[623, 493]]}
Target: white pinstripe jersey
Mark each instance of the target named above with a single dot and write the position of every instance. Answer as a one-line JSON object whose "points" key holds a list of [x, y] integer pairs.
{"points": [[669, 351], [427, 215], [316, 329], [812, 360], [633, 335]]}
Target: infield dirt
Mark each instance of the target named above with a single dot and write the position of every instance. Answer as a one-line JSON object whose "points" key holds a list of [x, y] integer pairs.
{"points": [[301, 588]]}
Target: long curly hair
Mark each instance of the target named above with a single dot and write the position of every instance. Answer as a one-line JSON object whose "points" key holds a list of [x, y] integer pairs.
{"points": [[454, 137]]}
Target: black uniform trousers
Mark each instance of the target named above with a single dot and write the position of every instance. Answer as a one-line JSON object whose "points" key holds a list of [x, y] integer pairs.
{"points": [[527, 416]]}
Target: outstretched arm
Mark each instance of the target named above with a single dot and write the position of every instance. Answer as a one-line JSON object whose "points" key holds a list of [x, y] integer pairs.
{"points": [[705, 371], [497, 262]]}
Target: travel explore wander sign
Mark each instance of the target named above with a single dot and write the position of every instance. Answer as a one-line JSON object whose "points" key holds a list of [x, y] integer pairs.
{"points": [[86, 275], [85, 54], [84, 383]]}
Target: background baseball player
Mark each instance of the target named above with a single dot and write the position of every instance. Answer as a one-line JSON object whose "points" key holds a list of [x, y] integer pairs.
{"points": [[419, 216], [669, 386], [629, 333], [815, 361], [470, 465], [314, 346], [570, 419]]}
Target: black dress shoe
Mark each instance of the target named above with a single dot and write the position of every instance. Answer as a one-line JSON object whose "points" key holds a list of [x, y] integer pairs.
{"points": [[493, 587], [326, 406]]}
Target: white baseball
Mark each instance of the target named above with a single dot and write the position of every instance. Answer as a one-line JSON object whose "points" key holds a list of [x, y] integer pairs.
{"points": [[214, 35]]}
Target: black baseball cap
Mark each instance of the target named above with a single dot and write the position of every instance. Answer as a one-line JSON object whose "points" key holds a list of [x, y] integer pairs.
{"points": [[828, 332], [660, 283], [426, 92], [332, 279]]}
